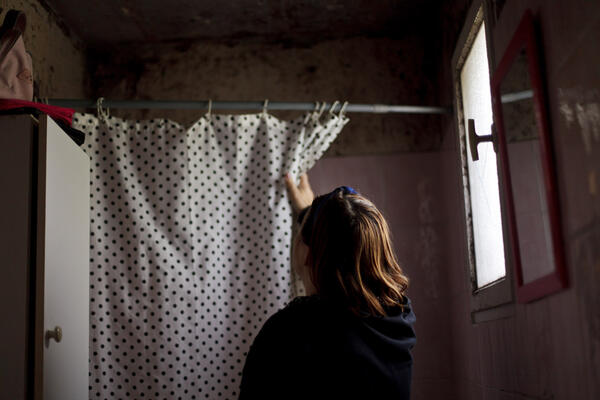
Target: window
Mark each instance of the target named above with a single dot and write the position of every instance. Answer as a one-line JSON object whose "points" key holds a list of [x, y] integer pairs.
{"points": [[489, 275], [483, 173]]}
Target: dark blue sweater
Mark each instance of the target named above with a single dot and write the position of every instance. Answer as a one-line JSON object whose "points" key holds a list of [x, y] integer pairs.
{"points": [[313, 349]]}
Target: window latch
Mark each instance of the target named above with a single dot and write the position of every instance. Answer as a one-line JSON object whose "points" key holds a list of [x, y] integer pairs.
{"points": [[475, 139]]}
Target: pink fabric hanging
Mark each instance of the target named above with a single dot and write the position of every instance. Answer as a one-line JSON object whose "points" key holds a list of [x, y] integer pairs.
{"points": [[57, 113]]}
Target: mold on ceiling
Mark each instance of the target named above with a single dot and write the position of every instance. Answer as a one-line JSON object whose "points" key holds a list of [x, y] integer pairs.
{"points": [[294, 22]]}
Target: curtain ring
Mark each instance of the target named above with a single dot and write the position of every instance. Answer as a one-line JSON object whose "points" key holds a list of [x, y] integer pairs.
{"points": [[333, 106], [209, 108], [343, 109], [322, 110], [311, 115], [316, 110], [103, 113], [317, 114]]}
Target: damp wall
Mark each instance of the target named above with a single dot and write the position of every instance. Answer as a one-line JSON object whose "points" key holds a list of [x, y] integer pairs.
{"points": [[549, 348], [357, 70], [58, 57]]}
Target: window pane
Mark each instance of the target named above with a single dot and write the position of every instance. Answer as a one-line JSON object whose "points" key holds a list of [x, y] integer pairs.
{"points": [[483, 174]]}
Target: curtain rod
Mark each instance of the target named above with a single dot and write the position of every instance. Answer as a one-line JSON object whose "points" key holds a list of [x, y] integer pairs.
{"points": [[247, 105]]}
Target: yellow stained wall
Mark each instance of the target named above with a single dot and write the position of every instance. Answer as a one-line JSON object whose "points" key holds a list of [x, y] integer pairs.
{"points": [[59, 65]]}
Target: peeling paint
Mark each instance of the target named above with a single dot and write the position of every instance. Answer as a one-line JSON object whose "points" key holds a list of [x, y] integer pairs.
{"points": [[581, 108], [567, 113]]}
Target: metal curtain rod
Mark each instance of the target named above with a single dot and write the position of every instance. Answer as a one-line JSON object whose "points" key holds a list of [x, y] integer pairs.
{"points": [[246, 105]]}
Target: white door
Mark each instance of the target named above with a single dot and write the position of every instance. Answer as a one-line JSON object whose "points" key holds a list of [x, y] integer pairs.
{"points": [[66, 288]]}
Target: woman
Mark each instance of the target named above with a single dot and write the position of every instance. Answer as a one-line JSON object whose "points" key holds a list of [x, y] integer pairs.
{"points": [[350, 337]]}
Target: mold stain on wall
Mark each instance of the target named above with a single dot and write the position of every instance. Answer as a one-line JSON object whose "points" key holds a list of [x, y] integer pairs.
{"points": [[580, 109], [59, 58], [358, 70]]}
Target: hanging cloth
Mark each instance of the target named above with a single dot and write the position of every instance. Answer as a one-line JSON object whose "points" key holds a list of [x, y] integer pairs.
{"points": [[190, 246]]}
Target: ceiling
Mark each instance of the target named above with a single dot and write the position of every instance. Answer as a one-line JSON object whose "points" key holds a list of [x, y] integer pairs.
{"points": [[108, 22]]}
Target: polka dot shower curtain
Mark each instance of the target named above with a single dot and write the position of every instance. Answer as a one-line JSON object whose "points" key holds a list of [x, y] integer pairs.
{"points": [[190, 243]]}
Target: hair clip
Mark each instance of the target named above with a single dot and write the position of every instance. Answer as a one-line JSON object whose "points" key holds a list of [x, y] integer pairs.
{"points": [[347, 190]]}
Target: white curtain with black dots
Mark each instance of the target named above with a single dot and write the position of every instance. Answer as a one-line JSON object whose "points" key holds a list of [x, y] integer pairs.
{"points": [[190, 246]]}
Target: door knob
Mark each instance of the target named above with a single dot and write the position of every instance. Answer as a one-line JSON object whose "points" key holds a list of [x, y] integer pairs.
{"points": [[55, 334]]}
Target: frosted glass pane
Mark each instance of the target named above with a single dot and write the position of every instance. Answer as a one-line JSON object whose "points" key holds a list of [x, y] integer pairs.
{"points": [[483, 174]]}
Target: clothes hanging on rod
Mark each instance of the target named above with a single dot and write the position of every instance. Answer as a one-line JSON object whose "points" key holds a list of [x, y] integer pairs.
{"points": [[248, 105]]}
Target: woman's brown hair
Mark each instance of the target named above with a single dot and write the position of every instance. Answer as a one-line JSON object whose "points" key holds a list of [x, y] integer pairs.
{"points": [[351, 260]]}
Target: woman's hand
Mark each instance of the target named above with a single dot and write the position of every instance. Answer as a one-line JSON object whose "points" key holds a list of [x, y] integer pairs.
{"points": [[301, 196]]}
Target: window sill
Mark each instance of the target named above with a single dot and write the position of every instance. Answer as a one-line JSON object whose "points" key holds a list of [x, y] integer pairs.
{"points": [[493, 314]]}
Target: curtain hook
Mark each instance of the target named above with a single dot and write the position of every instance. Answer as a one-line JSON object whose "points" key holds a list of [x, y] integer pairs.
{"points": [[311, 115], [264, 111], [318, 112], [322, 110], [103, 113], [209, 109], [343, 109], [333, 106]]}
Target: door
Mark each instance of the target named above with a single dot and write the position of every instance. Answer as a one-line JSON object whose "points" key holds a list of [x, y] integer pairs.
{"points": [[66, 264]]}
